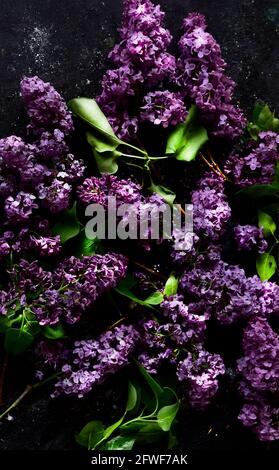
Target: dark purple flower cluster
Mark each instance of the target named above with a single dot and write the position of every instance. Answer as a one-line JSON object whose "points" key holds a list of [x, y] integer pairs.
{"points": [[249, 237], [66, 292], [92, 361], [200, 74], [211, 208], [163, 108], [258, 167], [142, 61], [199, 372], [260, 379], [39, 174], [45, 107], [162, 341], [97, 190], [228, 292]]}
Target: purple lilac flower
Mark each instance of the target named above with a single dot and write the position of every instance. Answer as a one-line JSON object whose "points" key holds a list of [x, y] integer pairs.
{"points": [[260, 364], [142, 61], [46, 246], [200, 74], [94, 360], [262, 417], [97, 190], [199, 372], [56, 196], [211, 209], [258, 167], [76, 284], [180, 327], [5, 243], [248, 237], [52, 145], [19, 208], [229, 292], [45, 107], [163, 108]]}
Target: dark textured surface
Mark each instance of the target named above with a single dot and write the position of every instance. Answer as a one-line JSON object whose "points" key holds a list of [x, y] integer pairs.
{"points": [[66, 42]]}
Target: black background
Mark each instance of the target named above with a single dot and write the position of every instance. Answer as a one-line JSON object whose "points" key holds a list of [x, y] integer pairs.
{"points": [[67, 42]]}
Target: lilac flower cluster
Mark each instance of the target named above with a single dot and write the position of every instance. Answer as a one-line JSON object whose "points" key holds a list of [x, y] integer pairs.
{"points": [[228, 292], [211, 208], [199, 372], [181, 327], [45, 107], [260, 379], [92, 361], [66, 292], [163, 108], [200, 74], [96, 190], [39, 174], [248, 237], [142, 61], [258, 167]]}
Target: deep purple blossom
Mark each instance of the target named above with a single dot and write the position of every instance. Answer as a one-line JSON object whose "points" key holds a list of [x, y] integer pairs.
{"points": [[199, 372], [211, 209], [93, 361], [20, 208], [248, 237], [201, 75], [258, 166], [45, 107], [163, 108]]}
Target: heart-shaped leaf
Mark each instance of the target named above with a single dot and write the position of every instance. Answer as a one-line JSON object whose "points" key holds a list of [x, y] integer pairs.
{"points": [[188, 138], [132, 397], [166, 416], [91, 434], [166, 194], [88, 110], [171, 285], [266, 266], [267, 223]]}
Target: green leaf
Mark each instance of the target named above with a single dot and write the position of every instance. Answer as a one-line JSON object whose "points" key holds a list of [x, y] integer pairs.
{"points": [[110, 429], [88, 110], [132, 397], [171, 285], [91, 434], [150, 432], [124, 289], [267, 223], [188, 138], [166, 416], [68, 226], [154, 299], [263, 119], [56, 332], [120, 443], [256, 191], [266, 266], [166, 194], [106, 162], [17, 341]]}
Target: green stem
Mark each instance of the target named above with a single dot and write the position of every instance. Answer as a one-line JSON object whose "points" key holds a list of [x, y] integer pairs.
{"points": [[133, 156], [135, 148]]}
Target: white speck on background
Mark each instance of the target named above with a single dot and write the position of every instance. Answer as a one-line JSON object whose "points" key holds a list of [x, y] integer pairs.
{"points": [[38, 44]]}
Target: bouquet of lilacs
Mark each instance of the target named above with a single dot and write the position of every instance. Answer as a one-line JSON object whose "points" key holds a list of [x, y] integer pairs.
{"points": [[156, 115]]}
